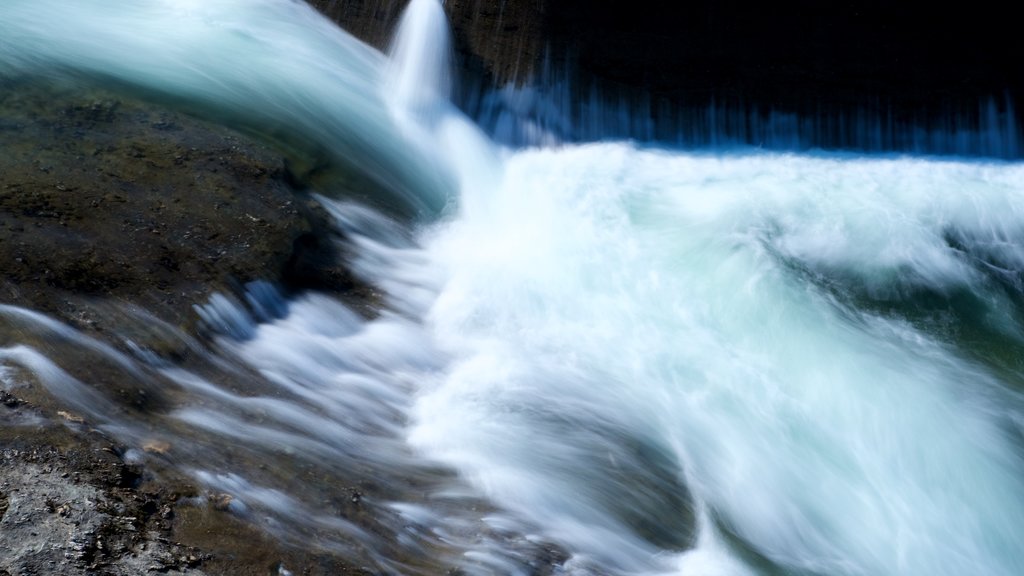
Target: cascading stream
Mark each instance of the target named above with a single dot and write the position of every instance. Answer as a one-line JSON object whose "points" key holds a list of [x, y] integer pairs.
{"points": [[707, 306], [655, 362]]}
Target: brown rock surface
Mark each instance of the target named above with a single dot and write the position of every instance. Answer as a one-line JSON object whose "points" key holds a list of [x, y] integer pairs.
{"points": [[104, 197]]}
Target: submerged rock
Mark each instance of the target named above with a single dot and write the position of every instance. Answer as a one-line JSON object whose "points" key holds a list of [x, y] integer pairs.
{"points": [[69, 504]]}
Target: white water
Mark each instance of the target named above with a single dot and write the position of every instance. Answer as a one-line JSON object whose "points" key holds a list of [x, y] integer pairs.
{"points": [[604, 340], [642, 293]]}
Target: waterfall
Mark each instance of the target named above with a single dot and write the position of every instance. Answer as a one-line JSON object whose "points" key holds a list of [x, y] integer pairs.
{"points": [[591, 358], [421, 57]]}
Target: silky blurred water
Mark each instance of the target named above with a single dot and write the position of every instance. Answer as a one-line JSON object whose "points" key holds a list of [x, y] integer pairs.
{"points": [[656, 361]]}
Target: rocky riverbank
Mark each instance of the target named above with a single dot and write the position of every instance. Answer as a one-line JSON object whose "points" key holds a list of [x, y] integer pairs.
{"points": [[786, 56]]}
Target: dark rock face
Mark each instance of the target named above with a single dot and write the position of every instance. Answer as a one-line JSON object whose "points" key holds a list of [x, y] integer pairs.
{"points": [[796, 52], [103, 197], [856, 44], [767, 52], [898, 65], [372, 21], [506, 39]]}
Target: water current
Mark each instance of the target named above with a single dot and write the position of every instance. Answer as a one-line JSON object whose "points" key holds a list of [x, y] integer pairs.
{"points": [[656, 361]]}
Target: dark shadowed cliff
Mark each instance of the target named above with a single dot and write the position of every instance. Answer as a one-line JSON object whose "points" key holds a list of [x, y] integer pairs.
{"points": [[896, 64]]}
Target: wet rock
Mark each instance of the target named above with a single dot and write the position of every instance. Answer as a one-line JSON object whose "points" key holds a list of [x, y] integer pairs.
{"points": [[106, 198], [62, 512]]}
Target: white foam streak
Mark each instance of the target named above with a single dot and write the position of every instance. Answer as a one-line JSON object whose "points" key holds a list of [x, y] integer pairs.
{"points": [[63, 386], [281, 504]]}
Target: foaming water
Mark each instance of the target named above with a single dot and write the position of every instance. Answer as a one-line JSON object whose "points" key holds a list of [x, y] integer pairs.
{"points": [[700, 307], [607, 359], [647, 358]]}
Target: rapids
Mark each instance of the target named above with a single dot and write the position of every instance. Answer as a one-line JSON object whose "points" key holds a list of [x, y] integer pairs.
{"points": [[656, 361]]}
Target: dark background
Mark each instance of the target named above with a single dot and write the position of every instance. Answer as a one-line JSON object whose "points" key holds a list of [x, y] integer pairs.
{"points": [[860, 75], [788, 52]]}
